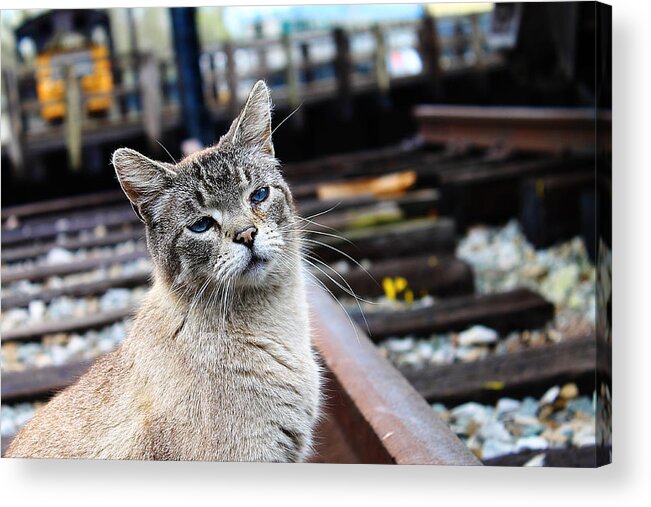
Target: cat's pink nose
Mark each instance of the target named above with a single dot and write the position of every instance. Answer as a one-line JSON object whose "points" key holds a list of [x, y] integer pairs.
{"points": [[246, 236]]}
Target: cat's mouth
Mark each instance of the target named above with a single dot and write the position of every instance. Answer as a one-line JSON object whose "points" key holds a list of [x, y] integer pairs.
{"points": [[256, 264]]}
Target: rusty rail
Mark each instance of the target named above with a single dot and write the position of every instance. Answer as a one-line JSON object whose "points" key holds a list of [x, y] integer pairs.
{"points": [[545, 130], [382, 417]]}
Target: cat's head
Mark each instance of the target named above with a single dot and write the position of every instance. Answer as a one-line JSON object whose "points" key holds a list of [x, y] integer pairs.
{"points": [[221, 216]]}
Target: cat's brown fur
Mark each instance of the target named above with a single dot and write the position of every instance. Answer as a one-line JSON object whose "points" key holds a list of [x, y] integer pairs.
{"points": [[207, 372]]}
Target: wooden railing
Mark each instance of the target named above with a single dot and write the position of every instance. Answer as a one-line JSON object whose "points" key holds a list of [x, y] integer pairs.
{"points": [[300, 68]]}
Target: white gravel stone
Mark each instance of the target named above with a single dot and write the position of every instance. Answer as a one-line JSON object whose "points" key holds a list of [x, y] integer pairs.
{"points": [[36, 310], [534, 443], [58, 255], [495, 430], [495, 448], [478, 335], [537, 461], [550, 396], [512, 426], [585, 436], [506, 405]]}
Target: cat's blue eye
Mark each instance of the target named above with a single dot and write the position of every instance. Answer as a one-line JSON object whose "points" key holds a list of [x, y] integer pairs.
{"points": [[260, 195], [202, 225]]}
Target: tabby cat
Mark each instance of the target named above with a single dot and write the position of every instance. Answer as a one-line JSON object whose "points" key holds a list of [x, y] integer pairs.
{"points": [[218, 363]]}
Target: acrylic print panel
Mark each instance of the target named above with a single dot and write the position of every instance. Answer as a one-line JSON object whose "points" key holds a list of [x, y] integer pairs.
{"points": [[345, 233]]}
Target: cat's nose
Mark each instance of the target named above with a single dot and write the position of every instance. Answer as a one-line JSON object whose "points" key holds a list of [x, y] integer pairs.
{"points": [[246, 236]]}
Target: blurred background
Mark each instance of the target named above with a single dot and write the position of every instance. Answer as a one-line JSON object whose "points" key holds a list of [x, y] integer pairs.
{"points": [[461, 152], [78, 84]]}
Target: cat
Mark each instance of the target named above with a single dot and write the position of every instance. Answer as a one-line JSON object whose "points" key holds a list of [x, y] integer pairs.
{"points": [[218, 364]]}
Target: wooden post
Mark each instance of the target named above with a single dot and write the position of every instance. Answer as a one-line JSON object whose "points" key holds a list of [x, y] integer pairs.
{"points": [[430, 53], [480, 57], [73, 118], [209, 78], [151, 99], [131, 65], [231, 78], [291, 79], [16, 131], [308, 67], [261, 51], [343, 71], [477, 47], [459, 42], [381, 71]]}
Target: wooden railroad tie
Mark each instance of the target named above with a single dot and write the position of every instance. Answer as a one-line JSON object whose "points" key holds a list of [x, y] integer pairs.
{"points": [[526, 371], [571, 457], [519, 309], [410, 237], [42, 272], [78, 290], [440, 276], [42, 248], [93, 321], [117, 218]]}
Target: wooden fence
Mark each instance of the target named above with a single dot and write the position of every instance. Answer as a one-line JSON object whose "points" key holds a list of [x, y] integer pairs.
{"points": [[300, 68]]}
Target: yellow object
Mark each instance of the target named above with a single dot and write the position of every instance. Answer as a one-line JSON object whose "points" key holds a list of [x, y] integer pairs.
{"points": [[401, 283], [93, 68], [494, 385], [395, 286], [389, 288], [540, 189]]}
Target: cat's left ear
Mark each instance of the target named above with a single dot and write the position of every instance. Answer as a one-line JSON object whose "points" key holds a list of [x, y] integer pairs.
{"points": [[253, 125]]}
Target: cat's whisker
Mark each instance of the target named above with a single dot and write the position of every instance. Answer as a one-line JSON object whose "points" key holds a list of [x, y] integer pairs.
{"points": [[321, 212], [340, 238], [286, 118], [316, 223], [319, 282], [351, 293], [352, 259], [166, 151], [348, 291]]}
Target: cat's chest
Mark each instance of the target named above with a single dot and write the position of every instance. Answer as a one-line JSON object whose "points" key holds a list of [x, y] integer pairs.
{"points": [[227, 372], [239, 395], [258, 408]]}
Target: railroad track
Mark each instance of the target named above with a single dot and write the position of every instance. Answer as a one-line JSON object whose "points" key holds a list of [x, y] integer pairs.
{"points": [[410, 236]]}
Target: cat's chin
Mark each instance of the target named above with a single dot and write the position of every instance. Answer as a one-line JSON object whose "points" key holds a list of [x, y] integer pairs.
{"points": [[255, 271]]}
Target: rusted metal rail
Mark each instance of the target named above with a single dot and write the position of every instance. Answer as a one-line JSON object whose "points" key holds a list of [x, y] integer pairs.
{"points": [[383, 419], [545, 130]]}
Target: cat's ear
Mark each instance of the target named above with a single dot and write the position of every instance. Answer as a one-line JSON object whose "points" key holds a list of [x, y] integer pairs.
{"points": [[253, 125], [141, 178]]}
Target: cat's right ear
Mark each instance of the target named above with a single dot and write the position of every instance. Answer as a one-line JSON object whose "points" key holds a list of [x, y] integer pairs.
{"points": [[141, 178]]}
